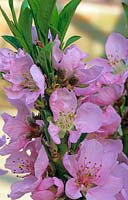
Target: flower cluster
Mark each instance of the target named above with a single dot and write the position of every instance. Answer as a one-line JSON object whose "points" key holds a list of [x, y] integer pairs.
{"points": [[66, 141]]}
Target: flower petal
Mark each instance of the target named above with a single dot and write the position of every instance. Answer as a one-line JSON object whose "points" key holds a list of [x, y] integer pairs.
{"points": [[54, 132], [72, 190], [88, 118]]}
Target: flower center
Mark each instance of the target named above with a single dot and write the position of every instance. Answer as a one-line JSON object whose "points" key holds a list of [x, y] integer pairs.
{"points": [[24, 165], [65, 121], [119, 65], [28, 82], [87, 175]]}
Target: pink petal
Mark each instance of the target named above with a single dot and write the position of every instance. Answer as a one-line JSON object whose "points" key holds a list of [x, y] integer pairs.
{"points": [[72, 190], [40, 166], [92, 150], [107, 95], [18, 189], [74, 136], [107, 191], [60, 186], [88, 118], [70, 163], [62, 101], [111, 121], [54, 132], [116, 47], [43, 195], [87, 76], [38, 78]]}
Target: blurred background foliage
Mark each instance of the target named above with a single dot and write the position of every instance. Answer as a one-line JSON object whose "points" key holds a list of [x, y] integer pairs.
{"points": [[94, 21]]}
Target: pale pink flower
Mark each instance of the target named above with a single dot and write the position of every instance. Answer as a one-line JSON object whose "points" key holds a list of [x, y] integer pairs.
{"points": [[70, 61], [20, 129], [117, 52], [111, 121], [33, 165], [28, 161], [26, 79], [49, 188], [91, 174], [110, 86], [68, 116]]}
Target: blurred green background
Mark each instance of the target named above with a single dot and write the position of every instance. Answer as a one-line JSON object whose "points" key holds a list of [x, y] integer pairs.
{"points": [[94, 21]]}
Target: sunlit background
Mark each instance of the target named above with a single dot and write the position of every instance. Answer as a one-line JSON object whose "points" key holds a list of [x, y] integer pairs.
{"points": [[94, 21]]}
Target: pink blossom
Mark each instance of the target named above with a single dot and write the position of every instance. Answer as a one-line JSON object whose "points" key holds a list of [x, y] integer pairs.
{"points": [[91, 174], [19, 129], [71, 63], [29, 160], [68, 116], [30, 164], [74, 55], [26, 79], [117, 54], [111, 121], [49, 188]]}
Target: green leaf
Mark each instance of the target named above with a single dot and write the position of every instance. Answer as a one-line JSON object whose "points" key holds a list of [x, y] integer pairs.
{"points": [[65, 17], [48, 48], [13, 11], [48, 51], [25, 25], [125, 6], [12, 40], [54, 32], [43, 61], [72, 40], [9, 22], [45, 8], [23, 7], [54, 17], [34, 6]]}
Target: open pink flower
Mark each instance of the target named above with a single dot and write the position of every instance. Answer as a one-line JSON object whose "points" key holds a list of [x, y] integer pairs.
{"points": [[32, 162], [28, 161], [68, 116], [26, 79], [110, 86], [91, 174], [19, 129]]}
